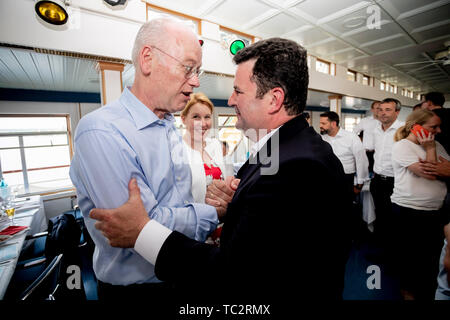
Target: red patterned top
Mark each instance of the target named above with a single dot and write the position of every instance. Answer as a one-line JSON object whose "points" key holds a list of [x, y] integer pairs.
{"points": [[215, 172]]}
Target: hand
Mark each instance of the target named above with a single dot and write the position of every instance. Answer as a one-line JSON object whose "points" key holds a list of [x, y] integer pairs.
{"points": [[121, 226], [440, 168], [220, 193], [357, 189], [426, 141]]}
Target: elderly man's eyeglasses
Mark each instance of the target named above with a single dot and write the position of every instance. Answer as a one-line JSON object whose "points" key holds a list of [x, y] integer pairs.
{"points": [[189, 71]]}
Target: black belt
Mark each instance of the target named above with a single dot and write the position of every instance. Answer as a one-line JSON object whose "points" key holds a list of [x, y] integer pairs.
{"points": [[382, 177]]}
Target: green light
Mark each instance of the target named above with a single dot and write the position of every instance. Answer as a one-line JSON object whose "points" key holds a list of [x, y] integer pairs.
{"points": [[236, 45]]}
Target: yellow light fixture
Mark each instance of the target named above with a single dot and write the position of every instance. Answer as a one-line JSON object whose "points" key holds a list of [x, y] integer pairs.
{"points": [[53, 12]]}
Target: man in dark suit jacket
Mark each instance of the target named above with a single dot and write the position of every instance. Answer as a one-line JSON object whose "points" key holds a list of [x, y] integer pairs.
{"points": [[286, 227]]}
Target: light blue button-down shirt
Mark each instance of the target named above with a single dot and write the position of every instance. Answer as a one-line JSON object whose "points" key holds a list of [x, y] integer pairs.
{"points": [[125, 139]]}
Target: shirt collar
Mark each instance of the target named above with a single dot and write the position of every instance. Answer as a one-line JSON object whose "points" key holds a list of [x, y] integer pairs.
{"points": [[258, 145], [140, 113], [395, 125]]}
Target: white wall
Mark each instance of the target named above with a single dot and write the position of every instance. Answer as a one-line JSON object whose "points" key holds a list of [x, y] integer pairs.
{"points": [[93, 27]]}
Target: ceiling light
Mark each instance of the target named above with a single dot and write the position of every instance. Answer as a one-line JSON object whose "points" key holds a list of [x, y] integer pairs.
{"points": [[115, 2], [53, 12]]}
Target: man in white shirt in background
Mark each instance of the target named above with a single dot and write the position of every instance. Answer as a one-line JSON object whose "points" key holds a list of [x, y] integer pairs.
{"points": [[349, 150], [367, 125], [347, 147], [382, 184]]}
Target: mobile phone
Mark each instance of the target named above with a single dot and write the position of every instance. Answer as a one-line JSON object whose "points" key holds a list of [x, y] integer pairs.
{"points": [[417, 128]]}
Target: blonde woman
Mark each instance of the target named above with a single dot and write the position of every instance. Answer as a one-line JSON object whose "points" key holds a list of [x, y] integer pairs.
{"points": [[416, 202], [205, 154]]}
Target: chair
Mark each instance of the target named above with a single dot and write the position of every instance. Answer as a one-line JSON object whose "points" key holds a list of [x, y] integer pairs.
{"points": [[46, 285], [68, 235]]}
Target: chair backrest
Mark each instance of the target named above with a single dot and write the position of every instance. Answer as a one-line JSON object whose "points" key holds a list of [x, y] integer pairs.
{"points": [[63, 235], [46, 284]]}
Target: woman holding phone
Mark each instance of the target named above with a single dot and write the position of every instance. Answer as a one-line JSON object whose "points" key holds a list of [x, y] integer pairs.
{"points": [[416, 205]]}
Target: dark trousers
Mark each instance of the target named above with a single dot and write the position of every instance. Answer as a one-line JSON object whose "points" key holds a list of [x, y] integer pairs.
{"points": [[371, 160], [358, 226], [381, 188], [133, 292], [418, 243]]}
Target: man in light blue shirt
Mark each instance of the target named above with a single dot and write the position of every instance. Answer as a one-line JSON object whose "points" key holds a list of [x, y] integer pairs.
{"points": [[135, 136]]}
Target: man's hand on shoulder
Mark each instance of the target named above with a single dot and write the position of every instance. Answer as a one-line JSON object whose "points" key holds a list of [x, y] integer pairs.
{"points": [[122, 225]]}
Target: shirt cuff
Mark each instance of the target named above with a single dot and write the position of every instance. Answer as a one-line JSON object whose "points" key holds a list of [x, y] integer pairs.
{"points": [[150, 240]]}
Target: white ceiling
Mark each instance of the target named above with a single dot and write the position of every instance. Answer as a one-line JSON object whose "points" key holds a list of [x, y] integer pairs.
{"points": [[411, 31]]}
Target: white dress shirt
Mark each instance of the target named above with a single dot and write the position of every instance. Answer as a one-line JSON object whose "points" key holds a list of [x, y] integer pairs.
{"points": [[152, 236], [367, 125], [349, 150], [410, 190], [259, 144], [214, 149], [383, 142]]}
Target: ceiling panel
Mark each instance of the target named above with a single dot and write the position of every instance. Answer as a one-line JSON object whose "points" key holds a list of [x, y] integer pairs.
{"points": [[377, 48], [369, 35], [425, 35], [409, 7], [344, 56], [348, 22], [310, 36], [238, 12], [323, 10], [427, 17], [329, 48], [278, 25], [190, 6]]}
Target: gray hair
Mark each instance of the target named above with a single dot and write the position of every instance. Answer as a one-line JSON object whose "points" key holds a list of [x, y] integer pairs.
{"points": [[153, 33]]}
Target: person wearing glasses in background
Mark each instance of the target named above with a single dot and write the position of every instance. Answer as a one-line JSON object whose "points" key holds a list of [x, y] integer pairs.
{"points": [[135, 136]]}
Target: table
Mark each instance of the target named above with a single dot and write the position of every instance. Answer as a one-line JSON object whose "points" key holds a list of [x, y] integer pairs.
{"points": [[30, 214]]}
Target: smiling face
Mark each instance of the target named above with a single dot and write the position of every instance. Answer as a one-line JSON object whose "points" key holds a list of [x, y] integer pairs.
{"points": [[251, 111], [325, 125], [198, 120], [433, 125]]}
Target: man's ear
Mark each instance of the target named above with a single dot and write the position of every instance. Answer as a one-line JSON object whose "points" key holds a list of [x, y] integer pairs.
{"points": [[277, 99], [145, 60]]}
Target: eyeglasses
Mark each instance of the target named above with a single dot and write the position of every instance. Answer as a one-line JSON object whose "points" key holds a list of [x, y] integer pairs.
{"points": [[189, 71]]}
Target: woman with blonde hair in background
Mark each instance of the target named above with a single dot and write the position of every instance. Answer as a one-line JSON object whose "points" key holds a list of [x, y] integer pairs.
{"points": [[205, 154], [416, 205]]}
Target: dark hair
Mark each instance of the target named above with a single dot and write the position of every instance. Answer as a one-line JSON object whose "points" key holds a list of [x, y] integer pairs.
{"points": [[373, 104], [279, 63], [306, 115], [392, 100], [332, 116], [436, 98]]}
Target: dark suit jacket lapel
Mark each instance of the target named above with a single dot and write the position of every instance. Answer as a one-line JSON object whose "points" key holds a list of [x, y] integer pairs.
{"points": [[286, 132]]}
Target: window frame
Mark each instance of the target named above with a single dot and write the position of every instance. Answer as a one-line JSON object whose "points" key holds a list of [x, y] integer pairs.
{"points": [[325, 62], [368, 80], [354, 73], [22, 148]]}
